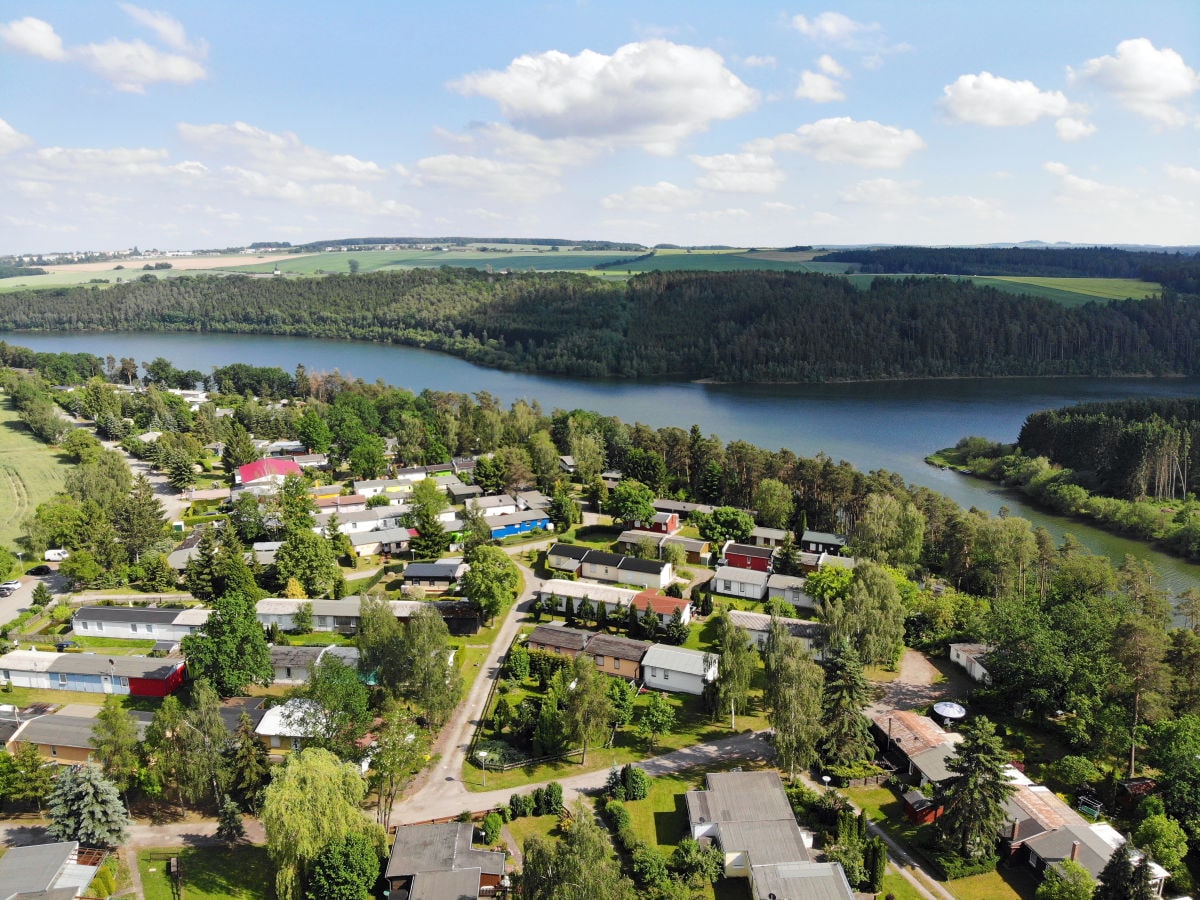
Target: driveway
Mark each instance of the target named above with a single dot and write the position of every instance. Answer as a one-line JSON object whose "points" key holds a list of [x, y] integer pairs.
{"points": [[18, 601]]}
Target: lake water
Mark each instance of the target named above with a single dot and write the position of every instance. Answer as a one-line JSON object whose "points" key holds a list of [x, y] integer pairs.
{"points": [[879, 425]]}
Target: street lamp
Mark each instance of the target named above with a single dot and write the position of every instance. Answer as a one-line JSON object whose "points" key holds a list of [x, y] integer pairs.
{"points": [[483, 755]]}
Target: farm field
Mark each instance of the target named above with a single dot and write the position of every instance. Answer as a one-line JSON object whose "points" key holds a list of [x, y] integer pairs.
{"points": [[375, 260], [1102, 288], [30, 473]]}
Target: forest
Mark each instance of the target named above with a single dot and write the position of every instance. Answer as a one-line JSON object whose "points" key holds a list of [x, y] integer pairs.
{"points": [[1176, 270], [736, 326]]}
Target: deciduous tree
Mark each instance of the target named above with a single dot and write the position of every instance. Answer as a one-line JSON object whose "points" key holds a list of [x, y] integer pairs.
{"points": [[230, 650], [115, 740]]}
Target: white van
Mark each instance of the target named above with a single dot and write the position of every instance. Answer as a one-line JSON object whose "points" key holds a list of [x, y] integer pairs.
{"points": [[57, 555]]}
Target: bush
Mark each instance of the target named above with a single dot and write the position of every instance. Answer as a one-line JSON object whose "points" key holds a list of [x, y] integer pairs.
{"points": [[492, 824], [649, 867], [636, 781], [464, 816], [627, 839], [617, 815], [949, 866], [520, 805]]}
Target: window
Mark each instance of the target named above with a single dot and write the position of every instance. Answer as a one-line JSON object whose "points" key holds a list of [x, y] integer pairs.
{"points": [[295, 743], [274, 740], [727, 584], [653, 672], [287, 672], [599, 661], [62, 679], [53, 750], [83, 626], [666, 674], [99, 626], [149, 629], [616, 664], [124, 681], [133, 627]]}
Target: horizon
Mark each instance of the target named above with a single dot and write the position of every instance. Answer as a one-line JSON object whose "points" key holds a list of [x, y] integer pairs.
{"points": [[180, 127]]}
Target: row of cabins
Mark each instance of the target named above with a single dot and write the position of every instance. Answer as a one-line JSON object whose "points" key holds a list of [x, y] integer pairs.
{"points": [[613, 568], [1040, 829], [92, 673]]}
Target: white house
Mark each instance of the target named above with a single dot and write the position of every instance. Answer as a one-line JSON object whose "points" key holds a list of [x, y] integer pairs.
{"points": [[758, 626], [790, 589], [614, 599], [293, 665], [566, 557], [500, 505], [972, 657], [734, 582], [678, 670], [137, 622], [328, 615], [611, 567]]}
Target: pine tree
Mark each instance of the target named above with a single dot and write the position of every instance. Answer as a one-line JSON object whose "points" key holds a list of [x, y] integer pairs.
{"points": [[248, 763], [847, 738], [1116, 878], [86, 807], [976, 792], [230, 827]]}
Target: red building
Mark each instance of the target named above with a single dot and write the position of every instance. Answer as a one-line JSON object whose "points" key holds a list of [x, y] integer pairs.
{"points": [[662, 523], [747, 556], [274, 469], [164, 680]]}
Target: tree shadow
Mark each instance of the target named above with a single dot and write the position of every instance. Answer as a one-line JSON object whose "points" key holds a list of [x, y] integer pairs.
{"points": [[25, 835], [669, 825]]}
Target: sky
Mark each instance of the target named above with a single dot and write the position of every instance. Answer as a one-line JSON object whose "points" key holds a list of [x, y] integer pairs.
{"points": [[196, 125]]}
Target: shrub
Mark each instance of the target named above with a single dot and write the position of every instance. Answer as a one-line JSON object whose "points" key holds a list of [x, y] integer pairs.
{"points": [[627, 839], [492, 824], [520, 805], [949, 866], [464, 816], [649, 867], [617, 815], [636, 781]]}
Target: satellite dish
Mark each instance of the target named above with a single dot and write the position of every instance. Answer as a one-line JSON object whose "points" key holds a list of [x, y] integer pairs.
{"points": [[948, 710]]}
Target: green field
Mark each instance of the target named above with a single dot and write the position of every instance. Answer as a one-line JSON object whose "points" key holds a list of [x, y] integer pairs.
{"points": [[71, 278], [475, 258], [209, 873], [30, 473], [1093, 288]]}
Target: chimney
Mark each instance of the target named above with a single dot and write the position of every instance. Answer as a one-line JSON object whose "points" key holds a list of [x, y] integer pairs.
{"points": [[1074, 850], [1016, 830]]}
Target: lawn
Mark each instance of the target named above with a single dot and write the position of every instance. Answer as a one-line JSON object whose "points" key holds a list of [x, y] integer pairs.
{"points": [[22, 697], [898, 886], [516, 258], [30, 473], [527, 826], [209, 873]]}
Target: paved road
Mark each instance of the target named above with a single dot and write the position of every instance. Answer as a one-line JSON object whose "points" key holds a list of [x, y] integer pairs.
{"points": [[18, 601]]}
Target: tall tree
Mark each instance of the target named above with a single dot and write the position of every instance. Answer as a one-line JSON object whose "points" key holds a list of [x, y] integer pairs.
{"points": [[85, 806], [491, 581], [31, 778], [239, 448], [230, 650], [581, 864], [794, 706], [657, 718], [165, 746], [247, 762], [381, 652], [976, 791], [589, 709], [1067, 881], [401, 749], [339, 713], [631, 501], [115, 740], [203, 738], [1140, 647], [1116, 878], [140, 519], [773, 503], [846, 739], [346, 869], [307, 557], [434, 682], [313, 799], [735, 668]]}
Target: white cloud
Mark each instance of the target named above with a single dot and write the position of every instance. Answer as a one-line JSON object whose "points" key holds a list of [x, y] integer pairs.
{"points": [[1087, 193], [845, 140], [518, 182], [987, 99], [818, 88], [504, 140], [132, 65], [11, 139], [731, 214], [1144, 79], [778, 206], [653, 93], [167, 29], [1186, 174], [1056, 168], [282, 153], [34, 37], [760, 62], [833, 27], [334, 195], [1070, 129], [831, 67], [81, 163], [35, 189], [662, 197], [751, 173], [882, 192]]}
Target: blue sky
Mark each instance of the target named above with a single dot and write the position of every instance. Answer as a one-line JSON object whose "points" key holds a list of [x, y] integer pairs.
{"points": [[181, 125]]}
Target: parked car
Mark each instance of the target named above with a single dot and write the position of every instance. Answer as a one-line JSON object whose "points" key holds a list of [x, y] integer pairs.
{"points": [[64, 646], [56, 555], [40, 570], [9, 585]]}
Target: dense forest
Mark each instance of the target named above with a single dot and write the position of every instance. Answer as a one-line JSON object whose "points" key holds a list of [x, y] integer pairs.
{"points": [[734, 326], [1179, 271]]}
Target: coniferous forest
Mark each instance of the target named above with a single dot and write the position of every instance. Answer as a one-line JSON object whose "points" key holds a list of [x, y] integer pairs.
{"points": [[735, 326]]}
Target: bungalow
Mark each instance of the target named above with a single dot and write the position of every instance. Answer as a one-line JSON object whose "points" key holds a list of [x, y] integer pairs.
{"points": [[461, 493], [387, 540], [734, 582], [137, 622], [822, 542], [611, 567], [533, 500], [65, 739], [325, 490], [265, 471], [790, 589], [747, 815], [48, 871], [662, 523], [566, 464], [311, 460], [566, 557], [676, 669], [697, 550], [618, 656], [664, 607], [758, 625], [293, 665], [339, 616], [431, 862], [391, 487], [437, 577], [137, 676], [812, 562], [682, 509], [768, 537], [632, 540], [341, 503], [499, 505], [556, 639], [284, 728], [973, 657], [518, 523], [747, 556], [1091, 846], [463, 465], [375, 518], [917, 742], [557, 591]]}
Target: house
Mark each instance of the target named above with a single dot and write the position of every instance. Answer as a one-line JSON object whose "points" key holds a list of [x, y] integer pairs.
{"points": [[617, 655], [519, 523], [734, 582], [556, 639], [768, 537], [374, 518], [265, 471], [137, 622], [461, 493], [310, 460], [285, 727], [822, 542], [632, 540], [437, 577], [339, 616], [682, 509], [662, 523], [65, 739], [614, 599], [611, 567], [533, 500], [698, 550], [438, 862], [566, 557], [747, 556], [387, 540], [812, 635], [973, 657], [663, 606], [567, 464], [747, 815], [463, 465], [790, 589], [678, 670], [920, 745], [1091, 846], [48, 871], [391, 487], [137, 676], [498, 505], [341, 504], [293, 665]]}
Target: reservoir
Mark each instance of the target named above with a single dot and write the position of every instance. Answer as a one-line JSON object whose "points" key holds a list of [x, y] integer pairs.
{"points": [[873, 425]]}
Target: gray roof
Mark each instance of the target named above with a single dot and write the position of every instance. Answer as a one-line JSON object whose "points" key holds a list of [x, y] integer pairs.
{"points": [[812, 881], [740, 797], [823, 537], [569, 551], [786, 581], [756, 621], [647, 566], [65, 731], [677, 659], [765, 840], [136, 614], [1094, 851], [525, 515], [439, 848], [748, 550], [35, 868], [932, 763], [492, 502], [558, 636], [121, 666], [461, 884], [299, 657], [617, 646], [742, 576], [775, 534], [447, 571]]}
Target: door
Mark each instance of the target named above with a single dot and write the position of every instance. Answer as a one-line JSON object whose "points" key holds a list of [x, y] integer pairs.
{"points": [[106, 683]]}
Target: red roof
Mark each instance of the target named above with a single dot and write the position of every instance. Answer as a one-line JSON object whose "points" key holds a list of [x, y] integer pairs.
{"points": [[265, 467], [660, 603]]}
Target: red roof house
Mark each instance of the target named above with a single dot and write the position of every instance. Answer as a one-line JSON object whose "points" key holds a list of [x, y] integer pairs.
{"points": [[274, 469], [663, 606]]}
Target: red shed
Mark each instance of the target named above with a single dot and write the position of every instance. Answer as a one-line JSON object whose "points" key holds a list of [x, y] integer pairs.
{"points": [[159, 681], [662, 523], [747, 556]]}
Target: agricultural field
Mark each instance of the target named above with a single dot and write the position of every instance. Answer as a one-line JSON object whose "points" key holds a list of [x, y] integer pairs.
{"points": [[1088, 288], [30, 473], [477, 258]]}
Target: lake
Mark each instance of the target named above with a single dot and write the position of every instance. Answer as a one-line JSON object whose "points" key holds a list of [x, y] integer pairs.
{"points": [[877, 425]]}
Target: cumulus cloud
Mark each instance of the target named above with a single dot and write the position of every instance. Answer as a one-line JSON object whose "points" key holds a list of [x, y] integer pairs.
{"points": [[515, 181], [167, 29], [818, 87], [34, 37], [662, 197], [282, 153], [833, 27], [889, 194], [730, 214], [1186, 174], [987, 99], [750, 173], [831, 67], [11, 139], [652, 93], [844, 140], [1074, 190], [760, 62], [334, 195], [1144, 79], [1070, 129]]}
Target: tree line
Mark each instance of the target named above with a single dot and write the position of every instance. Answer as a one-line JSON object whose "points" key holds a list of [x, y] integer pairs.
{"points": [[734, 326]]}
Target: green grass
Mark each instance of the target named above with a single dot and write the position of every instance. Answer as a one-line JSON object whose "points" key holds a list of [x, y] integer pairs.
{"points": [[898, 886], [1094, 288], [520, 259], [527, 826], [115, 644], [210, 873], [30, 473], [22, 696]]}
